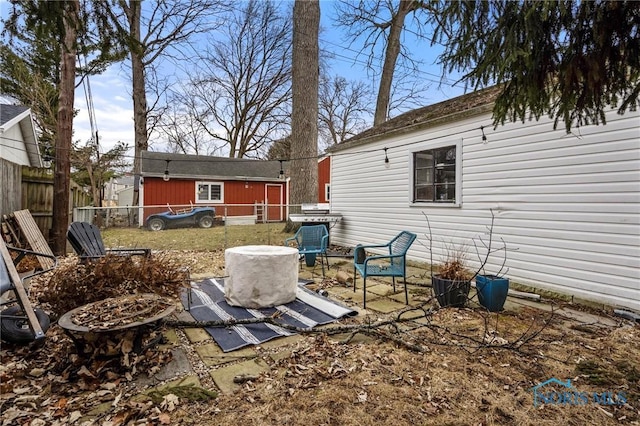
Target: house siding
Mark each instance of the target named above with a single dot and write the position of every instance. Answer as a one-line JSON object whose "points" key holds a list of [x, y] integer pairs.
{"points": [[567, 205], [12, 146]]}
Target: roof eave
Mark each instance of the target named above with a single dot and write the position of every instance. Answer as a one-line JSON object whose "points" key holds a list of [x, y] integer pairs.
{"points": [[478, 110]]}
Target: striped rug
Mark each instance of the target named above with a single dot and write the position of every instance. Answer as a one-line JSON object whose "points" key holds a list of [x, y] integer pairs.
{"points": [[306, 311]]}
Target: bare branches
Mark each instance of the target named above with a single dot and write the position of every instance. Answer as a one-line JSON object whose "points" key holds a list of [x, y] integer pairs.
{"points": [[342, 105], [238, 93], [485, 248], [416, 332], [380, 23]]}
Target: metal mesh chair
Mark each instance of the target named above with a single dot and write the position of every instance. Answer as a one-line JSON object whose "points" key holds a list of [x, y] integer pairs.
{"points": [[311, 240], [388, 265]]}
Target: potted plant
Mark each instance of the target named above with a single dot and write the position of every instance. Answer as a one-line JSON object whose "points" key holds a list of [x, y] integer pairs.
{"points": [[492, 289], [453, 281]]}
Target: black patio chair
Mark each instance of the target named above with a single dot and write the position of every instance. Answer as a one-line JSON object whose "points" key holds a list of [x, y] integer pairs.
{"points": [[86, 240]]}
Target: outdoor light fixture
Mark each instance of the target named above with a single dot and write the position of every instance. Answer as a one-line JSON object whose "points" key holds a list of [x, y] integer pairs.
{"points": [[484, 137], [165, 177], [281, 175], [386, 159]]}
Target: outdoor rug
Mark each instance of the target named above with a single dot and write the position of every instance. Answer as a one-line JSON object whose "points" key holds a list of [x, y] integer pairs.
{"points": [[306, 311]]}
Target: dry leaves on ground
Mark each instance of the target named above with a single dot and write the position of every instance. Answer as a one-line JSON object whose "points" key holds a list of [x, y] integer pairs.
{"points": [[476, 368]]}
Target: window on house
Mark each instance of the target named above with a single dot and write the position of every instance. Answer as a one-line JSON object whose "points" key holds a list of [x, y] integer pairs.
{"points": [[209, 192], [327, 191], [434, 177]]}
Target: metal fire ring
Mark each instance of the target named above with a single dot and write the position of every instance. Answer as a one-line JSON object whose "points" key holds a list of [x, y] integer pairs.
{"points": [[66, 322]]}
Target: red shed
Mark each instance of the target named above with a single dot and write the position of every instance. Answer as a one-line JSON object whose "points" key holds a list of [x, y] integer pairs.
{"points": [[324, 180], [233, 186]]}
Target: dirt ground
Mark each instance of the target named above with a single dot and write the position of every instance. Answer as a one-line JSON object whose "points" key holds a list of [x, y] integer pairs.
{"points": [[434, 366]]}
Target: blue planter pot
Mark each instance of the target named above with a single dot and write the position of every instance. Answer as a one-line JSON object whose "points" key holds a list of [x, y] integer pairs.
{"points": [[492, 291], [310, 259]]}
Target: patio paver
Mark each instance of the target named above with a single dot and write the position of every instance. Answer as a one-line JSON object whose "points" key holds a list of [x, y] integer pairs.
{"points": [[212, 355], [223, 377]]}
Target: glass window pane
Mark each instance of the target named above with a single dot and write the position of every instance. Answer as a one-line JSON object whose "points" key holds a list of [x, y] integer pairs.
{"points": [[424, 176], [424, 193], [215, 192], [423, 159], [203, 192], [435, 175]]}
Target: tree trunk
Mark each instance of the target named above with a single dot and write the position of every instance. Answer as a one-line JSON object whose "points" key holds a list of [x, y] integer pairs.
{"points": [[390, 59], [64, 131], [304, 116], [139, 94]]}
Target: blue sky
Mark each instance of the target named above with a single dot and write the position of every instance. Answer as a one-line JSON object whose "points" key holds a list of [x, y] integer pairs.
{"points": [[113, 106]]}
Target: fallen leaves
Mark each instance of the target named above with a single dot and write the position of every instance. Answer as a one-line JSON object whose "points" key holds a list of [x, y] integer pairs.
{"points": [[73, 283]]}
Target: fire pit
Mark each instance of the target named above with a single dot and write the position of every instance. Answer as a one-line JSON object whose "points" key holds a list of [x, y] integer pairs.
{"points": [[117, 313], [102, 327], [260, 276]]}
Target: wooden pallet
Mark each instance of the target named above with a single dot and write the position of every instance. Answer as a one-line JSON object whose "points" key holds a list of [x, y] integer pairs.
{"points": [[24, 230]]}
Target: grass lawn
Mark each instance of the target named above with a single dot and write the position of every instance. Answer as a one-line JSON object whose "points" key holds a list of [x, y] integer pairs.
{"points": [[197, 239]]}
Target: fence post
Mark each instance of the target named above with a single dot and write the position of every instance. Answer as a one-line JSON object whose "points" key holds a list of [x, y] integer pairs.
{"points": [[225, 226]]}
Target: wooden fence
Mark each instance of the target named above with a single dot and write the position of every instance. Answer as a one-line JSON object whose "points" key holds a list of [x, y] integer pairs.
{"points": [[32, 189], [10, 177]]}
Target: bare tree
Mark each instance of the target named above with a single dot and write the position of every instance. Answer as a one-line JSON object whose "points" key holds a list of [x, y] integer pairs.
{"points": [[280, 149], [241, 92], [380, 21], [157, 33], [304, 115], [343, 106], [180, 126], [93, 169]]}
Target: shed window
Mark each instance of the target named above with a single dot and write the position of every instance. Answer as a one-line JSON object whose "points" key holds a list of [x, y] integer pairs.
{"points": [[209, 192], [434, 175]]}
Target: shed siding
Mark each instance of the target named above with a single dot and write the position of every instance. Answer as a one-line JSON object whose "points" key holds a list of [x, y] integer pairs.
{"points": [[324, 178], [180, 192], [568, 204]]}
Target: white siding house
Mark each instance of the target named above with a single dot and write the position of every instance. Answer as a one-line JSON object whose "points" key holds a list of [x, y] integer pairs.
{"points": [[566, 205], [18, 139]]}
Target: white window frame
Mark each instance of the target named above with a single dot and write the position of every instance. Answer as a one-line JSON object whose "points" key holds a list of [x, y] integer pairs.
{"points": [[220, 201], [425, 146], [327, 191]]}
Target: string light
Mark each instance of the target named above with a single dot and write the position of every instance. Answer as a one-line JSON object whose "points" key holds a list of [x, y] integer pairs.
{"points": [[210, 160], [386, 159], [281, 174], [484, 137]]}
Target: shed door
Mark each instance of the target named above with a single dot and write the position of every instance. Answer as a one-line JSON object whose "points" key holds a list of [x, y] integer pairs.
{"points": [[274, 203]]}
